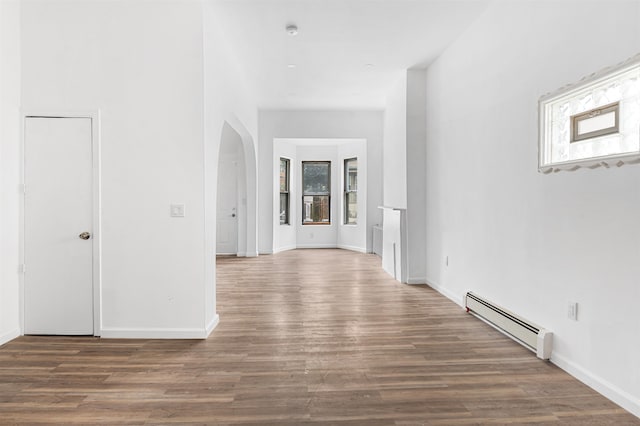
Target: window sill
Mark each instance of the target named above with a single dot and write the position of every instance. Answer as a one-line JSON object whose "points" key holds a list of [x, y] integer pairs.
{"points": [[592, 163]]}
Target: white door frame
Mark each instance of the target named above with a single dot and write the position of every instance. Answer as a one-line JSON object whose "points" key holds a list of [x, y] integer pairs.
{"points": [[94, 115]]}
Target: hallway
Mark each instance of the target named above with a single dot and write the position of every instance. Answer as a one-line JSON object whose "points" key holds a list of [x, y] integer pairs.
{"points": [[306, 337]]}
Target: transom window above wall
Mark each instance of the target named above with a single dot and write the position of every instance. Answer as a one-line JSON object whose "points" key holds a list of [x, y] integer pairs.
{"points": [[316, 195], [595, 122]]}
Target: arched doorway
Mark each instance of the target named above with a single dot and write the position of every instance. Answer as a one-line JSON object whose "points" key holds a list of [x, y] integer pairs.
{"points": [[236, 216]]}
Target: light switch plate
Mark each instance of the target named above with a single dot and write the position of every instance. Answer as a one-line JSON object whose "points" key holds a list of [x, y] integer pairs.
{"points": [[177, 210]]}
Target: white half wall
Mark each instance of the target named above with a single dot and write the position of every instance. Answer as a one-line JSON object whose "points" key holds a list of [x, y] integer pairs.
{"points": [[532, 242], [274, 124], [9, 168]]}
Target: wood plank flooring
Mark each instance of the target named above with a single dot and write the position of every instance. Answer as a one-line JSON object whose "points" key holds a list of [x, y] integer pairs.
{"points": [[306, 337]]}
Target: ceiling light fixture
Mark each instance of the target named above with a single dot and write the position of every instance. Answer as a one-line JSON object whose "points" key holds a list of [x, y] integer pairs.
{"points": [[292, 29], [291, 65]]}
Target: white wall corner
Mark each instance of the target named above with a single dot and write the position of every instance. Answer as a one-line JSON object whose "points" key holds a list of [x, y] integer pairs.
{"points": [[7, 337], [212, 325], [352, 248], [303, 246], [454, 297], [284, 248]]}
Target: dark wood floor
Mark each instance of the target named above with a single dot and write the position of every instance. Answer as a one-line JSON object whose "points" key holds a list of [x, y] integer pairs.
{"points": [[306, 337]]}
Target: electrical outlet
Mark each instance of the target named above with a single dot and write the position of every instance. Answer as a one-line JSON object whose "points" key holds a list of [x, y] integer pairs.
{"points": [[572, 311], [177, 210]]}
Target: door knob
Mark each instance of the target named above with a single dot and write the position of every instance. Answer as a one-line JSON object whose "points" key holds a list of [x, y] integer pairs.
{"points": [[233, 215], [84, 236]]}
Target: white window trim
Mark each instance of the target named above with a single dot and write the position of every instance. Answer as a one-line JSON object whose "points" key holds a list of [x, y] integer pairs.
{"points": [[567, 91]]}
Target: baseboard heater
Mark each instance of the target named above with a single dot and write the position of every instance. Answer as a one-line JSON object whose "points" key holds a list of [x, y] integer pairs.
{"points": [[524, 332]]}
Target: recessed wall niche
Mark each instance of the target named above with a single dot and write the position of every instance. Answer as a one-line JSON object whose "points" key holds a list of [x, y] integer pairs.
{"points": [[592, 123]]}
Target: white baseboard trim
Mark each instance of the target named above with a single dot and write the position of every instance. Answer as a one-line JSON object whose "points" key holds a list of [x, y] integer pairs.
{"points": [[615, 394], [418, 280], [154, 333], [251, 254], [620, 397], [455, 298], [285, 248], [266, 252], [303, 246], [212, 324], [7, 337], [352, 248]]}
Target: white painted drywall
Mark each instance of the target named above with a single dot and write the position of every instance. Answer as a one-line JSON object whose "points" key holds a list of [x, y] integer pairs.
{"points": [[527, 241], [141, 64], [323, 125], [394, 161], [227, 101], [416, 175], [405, 174], [9, 168]]}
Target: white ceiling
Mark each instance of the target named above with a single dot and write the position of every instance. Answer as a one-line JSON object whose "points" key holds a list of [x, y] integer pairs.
{"points": [[336, 39]]}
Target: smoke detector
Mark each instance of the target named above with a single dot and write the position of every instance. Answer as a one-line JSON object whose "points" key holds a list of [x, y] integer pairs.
{"points": [[292, 29]]}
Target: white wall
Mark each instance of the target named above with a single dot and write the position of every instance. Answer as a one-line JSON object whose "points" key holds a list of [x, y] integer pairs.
{"points": [[9, 168], [404, 177], [227, 99], [141, 64], [275, 124], [528, 241], [394, 161], [416, 175]]}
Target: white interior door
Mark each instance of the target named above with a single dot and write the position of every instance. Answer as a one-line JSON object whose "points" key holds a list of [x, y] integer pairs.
{"points": [[227, 212], [58, 279]]}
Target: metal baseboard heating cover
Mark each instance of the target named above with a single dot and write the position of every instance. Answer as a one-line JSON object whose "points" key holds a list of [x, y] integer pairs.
{"points": [[524, 332]]}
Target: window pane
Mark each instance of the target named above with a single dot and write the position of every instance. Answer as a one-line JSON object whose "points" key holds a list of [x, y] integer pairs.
{"points": [[316, 178], [284, 208], [284, 175], [315, 209], [352, 208], [351, 174]]}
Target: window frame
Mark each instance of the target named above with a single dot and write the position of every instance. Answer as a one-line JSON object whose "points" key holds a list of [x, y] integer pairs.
{"points": [[347, 190], [561, 111], [287, 191], [319, 194]]}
